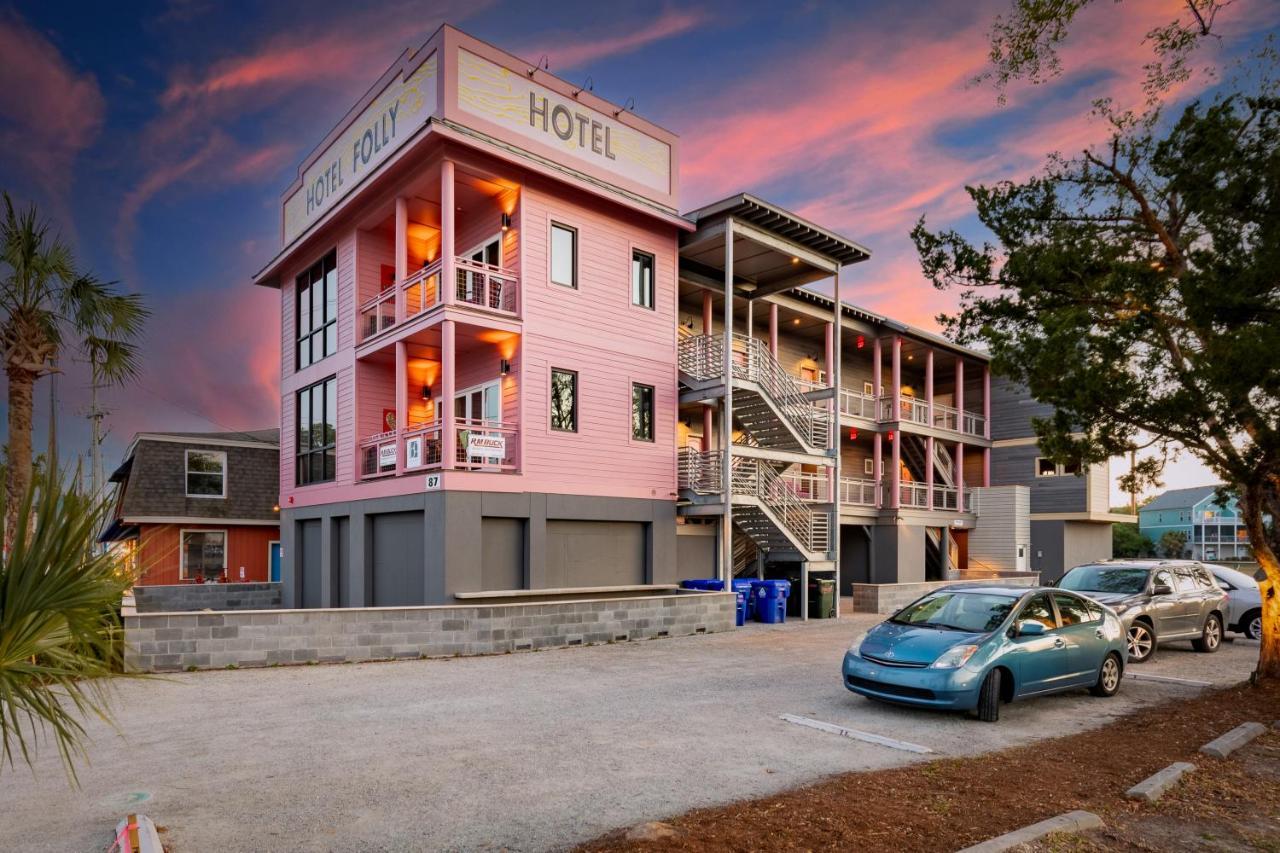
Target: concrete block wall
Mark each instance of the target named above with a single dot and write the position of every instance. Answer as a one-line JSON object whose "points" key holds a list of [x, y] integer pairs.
{"points": [[889, 598], [206, 596], [167, 642]]}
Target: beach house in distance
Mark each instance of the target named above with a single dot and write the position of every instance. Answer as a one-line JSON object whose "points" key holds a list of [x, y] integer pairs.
{"points": [[1213, 531], [512, 366]]}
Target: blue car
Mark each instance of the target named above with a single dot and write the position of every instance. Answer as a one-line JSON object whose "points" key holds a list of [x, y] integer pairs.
{"points": [[968, 648]]}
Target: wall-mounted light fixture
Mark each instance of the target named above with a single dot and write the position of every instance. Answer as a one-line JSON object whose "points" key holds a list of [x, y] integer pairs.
{"points": [[506, 221], [861, 341], [426, 392], [853, 435], [504, 366]]}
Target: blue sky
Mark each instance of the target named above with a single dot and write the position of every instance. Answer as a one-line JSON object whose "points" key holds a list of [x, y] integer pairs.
{"points": [[160, 135]]}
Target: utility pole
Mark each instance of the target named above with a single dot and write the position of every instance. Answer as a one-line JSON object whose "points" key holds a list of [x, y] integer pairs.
{"points": [[95, 415]]}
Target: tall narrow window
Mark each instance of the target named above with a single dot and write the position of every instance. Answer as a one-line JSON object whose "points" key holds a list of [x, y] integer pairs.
{"points": [[206, 474], [564, 255], [317, 432], [641, 412], [642, 279], [564, 400], [317, 313]]}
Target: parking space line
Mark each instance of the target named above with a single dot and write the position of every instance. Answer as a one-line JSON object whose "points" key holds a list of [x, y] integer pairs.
{"points": [[868, 737], [1168, 679]]}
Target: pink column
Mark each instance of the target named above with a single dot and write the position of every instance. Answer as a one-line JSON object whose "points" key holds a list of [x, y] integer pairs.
{"points": [[960, 394], [829, 350], [986, 466], [959, 473], [448, 236], [449, 441], [876, 391], [895, 474], [986, 400], [402, 254], [876, 456], [402, 398], [928, 385], [773, 329], [897, 378], [928, 472], [707, 313]]}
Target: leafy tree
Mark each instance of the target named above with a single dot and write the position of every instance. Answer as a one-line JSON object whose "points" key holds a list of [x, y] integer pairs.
{"points": [[44, 300], [60, 636], [1128, 541], [1134, 287], [1173, 544]]}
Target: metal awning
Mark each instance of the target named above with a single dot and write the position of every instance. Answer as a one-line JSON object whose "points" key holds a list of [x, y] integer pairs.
{"points": [[118, 531]]}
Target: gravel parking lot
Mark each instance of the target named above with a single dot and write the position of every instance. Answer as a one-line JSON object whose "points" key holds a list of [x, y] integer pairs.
{"points": [[531, 751]]}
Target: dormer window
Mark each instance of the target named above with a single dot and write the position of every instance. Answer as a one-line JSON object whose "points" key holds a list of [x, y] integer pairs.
{"points": [[206, 474]]}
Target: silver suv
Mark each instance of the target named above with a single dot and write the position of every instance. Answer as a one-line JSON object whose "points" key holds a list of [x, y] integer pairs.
{"points": [[1158, 601]]}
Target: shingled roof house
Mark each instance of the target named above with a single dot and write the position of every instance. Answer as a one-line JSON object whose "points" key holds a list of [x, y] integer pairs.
{"points": [[198, 507]]}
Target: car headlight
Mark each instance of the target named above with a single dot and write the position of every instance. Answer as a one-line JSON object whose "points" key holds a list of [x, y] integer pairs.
{"points": [[857, 642], [954, 657]]}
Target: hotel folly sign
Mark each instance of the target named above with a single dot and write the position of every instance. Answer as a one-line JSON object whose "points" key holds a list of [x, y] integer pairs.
{"points": [[517, 104], [381, 129]]}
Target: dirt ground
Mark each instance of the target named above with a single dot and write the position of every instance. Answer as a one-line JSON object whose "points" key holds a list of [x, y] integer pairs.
{"points": [[1231, 804]]}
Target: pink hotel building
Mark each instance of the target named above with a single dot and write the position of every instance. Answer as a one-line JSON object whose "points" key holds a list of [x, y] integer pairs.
{"points": [[504, 354]]}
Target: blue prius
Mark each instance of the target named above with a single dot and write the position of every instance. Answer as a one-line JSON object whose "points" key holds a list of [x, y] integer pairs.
{"points": [[968, 648]]}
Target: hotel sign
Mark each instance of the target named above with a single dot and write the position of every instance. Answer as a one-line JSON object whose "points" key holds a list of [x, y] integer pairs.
{"points": [[512, 101], [384, 125]]}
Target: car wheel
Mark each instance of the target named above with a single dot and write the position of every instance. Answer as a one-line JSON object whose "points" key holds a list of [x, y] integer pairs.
{"points": [[989, 698], [1142, 642], [1108, 677], [1253, 625], [1211, 636]]}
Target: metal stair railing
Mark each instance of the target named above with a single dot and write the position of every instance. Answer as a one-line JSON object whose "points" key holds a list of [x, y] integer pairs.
{"points": [[702, 357], [810, 528], [698, 472]]}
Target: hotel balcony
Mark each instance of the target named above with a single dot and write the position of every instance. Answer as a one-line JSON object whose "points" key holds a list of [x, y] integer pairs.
{"points": [[447, 246]]}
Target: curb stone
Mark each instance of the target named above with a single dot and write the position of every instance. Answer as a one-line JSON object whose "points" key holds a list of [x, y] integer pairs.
{"points": [[1153, 787], [1233, 740], [1071, 822]]}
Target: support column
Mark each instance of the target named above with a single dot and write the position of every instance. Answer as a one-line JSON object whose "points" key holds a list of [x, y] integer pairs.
{"points": [[876, 378], [708, 411], [449, 441], [876, 457], [895, 475], [448, 237], [402, 399], [773, 329], [726, 414], [986, 466], [986, 400], [959, 473], [402, 254], [897, 378], [960, 394], [928, 384], [828, 351], [833, 378], [751, 320], [928, 472]]}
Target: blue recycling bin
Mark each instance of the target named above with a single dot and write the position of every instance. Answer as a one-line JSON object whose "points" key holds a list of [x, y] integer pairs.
{"points": [[743, 598], [704, 584], [771, 600], [743, 585]]}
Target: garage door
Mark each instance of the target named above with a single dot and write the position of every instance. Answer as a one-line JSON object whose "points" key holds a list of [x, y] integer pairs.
{"points": [[398, 565], [502, 553], [595, 553], [696, 556]]}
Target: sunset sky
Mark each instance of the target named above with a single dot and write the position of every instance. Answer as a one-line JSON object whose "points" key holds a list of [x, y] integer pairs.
{"points": [[159, 139]]}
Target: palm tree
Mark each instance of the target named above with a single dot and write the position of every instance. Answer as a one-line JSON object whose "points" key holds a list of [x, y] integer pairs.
{"points": [[43, 300], [60, 636]]}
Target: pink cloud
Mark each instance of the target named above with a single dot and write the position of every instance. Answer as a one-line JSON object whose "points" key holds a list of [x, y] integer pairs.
{"points": [[49, 111], [572, 49]]}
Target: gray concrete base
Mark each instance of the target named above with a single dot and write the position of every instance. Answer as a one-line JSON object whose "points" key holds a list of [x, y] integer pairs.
{"points": [[1071, 822], [167, 598], [1154, 787], [167, 642], [1233, 740]]}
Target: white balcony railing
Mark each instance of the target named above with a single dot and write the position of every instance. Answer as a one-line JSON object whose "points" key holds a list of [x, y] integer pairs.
{"points": [[477, 286], [486, 445], [480, 446], [858, 491], [857, 404], [808, 486]]}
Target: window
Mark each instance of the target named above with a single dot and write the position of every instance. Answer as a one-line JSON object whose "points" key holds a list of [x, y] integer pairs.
{"points": [[1186, 580], [1072, 610], [317, 432], [204, 554], [206, 474], [1202, 578], [641, 412], [564, 255], [317, 313], [1039, 609], [1048, 468], [1163, 578], [564, 400], [642, 279], [868, 390], [868, 466]]}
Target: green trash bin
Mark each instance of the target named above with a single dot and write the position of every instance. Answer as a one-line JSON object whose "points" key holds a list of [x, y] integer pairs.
{"points": [[822, 598]]}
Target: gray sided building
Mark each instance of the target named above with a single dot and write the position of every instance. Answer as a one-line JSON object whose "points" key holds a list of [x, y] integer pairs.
{"points": [[1070, 510]]}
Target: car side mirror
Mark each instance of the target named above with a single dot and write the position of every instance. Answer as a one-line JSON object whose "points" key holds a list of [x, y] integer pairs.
{"points": [[1030, 629], [1162, 589]]}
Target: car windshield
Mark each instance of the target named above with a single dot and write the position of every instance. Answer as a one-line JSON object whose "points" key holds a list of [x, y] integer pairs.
{"points": [[1105, 579], [957, 611]]}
